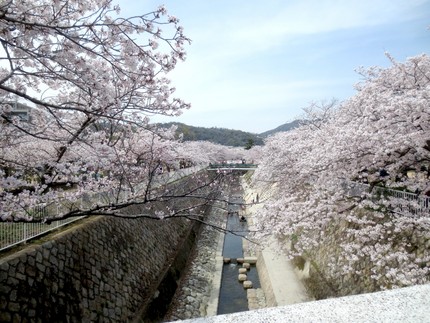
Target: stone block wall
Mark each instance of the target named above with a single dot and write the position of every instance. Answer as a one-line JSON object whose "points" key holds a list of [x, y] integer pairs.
{"points": [[99, 270], [325, 282]]}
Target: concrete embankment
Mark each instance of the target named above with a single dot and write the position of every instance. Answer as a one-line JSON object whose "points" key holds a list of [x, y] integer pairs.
{"points": [[199, 289]]}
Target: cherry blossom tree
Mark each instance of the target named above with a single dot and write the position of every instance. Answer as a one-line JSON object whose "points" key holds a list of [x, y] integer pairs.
{"points": [[205, 152], [335, 171], [88, 80]]}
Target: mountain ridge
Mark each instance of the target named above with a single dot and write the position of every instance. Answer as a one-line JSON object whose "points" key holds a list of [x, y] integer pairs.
{"points": [[224, 136]]}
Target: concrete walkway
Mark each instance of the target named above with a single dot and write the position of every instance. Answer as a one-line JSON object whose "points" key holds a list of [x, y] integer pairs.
{"points": [[278, 279]]}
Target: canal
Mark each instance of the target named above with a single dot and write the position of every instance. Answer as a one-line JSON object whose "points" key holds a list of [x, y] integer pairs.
{"points": [[233, 296], [210, 286]]}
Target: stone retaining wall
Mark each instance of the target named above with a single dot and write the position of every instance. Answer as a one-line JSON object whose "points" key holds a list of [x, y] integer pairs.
{"points": [[98, 270], [324, 281]]}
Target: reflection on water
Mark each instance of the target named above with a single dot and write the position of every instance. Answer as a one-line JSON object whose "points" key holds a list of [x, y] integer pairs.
{"points": [[233, 242]]}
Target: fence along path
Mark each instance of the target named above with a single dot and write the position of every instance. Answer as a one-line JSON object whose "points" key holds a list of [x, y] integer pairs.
{"points": [[12, 233], [415, 204]]}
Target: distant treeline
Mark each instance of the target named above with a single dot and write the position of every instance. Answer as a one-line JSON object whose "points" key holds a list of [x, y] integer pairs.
{"points": [[222, 136], [227, 137]]}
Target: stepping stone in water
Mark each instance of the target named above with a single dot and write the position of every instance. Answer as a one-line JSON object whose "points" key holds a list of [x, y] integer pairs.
{"points": [[242, 277], [247, 284]]}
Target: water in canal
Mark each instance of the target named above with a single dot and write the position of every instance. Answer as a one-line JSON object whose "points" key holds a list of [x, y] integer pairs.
{"points": [[232, 296]]}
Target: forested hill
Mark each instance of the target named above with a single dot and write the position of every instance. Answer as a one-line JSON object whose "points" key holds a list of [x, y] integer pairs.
{"points": [[227, 137], [222, 136], [285, 127]]}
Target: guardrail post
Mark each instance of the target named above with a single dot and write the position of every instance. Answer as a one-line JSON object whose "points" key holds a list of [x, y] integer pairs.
{"points": [[24, 232]]}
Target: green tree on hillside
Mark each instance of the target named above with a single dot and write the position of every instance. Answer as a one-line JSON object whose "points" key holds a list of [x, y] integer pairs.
{"points": [[249, 144]]}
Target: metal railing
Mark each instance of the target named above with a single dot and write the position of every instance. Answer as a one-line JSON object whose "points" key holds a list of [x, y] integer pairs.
{"points": [[232, 166], [12, 233], [414, 204]]}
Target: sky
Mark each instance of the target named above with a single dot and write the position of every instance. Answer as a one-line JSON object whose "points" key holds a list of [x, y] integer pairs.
{"points": [[254, 65]]}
